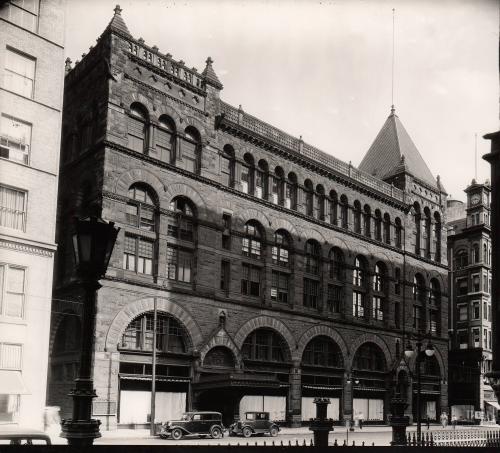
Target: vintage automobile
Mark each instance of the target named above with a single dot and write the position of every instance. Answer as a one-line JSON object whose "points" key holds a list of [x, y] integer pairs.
{"points": [[19, 436], [254, 423], [201, 423]]}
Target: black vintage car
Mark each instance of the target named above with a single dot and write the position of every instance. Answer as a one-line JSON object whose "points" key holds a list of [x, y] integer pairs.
{"points": [[254, 423], [194, 423]]}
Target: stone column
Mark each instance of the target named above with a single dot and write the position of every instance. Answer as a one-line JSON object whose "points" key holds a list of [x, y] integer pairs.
{"points": [[294, 416]]}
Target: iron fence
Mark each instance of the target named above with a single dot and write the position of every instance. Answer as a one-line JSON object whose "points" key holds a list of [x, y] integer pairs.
{"points": [[465, 438]]}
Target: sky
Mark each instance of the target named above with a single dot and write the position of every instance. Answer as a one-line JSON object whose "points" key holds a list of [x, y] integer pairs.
{"points": [[322, 69]]}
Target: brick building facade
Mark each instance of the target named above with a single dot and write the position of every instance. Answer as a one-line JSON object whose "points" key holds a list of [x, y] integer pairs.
{"points": [[279, 272]]}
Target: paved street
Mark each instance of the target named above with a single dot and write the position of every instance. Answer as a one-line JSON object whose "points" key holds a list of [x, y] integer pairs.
{"points": [[378, 435]]}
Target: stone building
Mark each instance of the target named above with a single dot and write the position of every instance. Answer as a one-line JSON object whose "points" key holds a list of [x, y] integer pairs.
{"points": [[469, 255], [279, 272], [31, 89]]}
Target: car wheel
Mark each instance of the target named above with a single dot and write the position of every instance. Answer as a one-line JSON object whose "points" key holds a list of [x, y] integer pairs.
{"points": [[247, 432], [273, 431], [216, 432], [176, 434]]}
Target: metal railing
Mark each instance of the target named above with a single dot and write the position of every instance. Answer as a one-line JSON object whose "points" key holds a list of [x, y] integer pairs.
{"points": [[454, 438]]}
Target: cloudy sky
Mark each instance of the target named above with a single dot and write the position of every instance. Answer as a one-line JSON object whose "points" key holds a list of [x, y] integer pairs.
{"points": [[322, 69]]}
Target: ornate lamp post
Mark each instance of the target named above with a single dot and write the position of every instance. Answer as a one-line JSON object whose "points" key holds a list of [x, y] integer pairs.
{"points": [[93, 243], [351, 381], [429, 352]]}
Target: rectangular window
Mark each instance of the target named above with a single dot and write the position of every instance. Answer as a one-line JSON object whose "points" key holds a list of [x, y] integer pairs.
{"points": [[245, 179], [311, 293], [189, 155], [475, 284], [164, 145], [279, 287], [226, 232], [476, 337], [463, 340], [136, 134], [250, 280], [433, 322], [417, 317], [15, 139], [224, 276], [259, 184], [19, 73], [358, 304], [22, 12], [179, 264], [397, 315], [334, 300], [462, 312], [275, 190], [489, 339], [11, 356], [485, 338], [226, 173], [138, 255], [475, 310], [485, 310], [12, 290], [462, 286], [288, 196], [12, 208], [377, 309], [485, 282]]}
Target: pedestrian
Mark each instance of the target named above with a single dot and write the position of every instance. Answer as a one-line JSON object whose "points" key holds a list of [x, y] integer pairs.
{"points": [[454, 421], [428, 421], [444, 419], [361, 416]]}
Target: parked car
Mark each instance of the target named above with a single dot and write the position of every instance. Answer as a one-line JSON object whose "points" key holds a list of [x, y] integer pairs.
{"points": [[19, 436], [194, 423], [254, 423]]}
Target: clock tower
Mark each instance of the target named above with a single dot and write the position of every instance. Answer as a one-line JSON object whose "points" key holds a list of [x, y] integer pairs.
{"points": [[478, 204]]}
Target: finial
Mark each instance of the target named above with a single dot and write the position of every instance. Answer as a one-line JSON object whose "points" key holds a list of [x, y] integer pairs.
{"points": [[209, 61], [403, 158], [169, 55], [141, 40], [300, 137], [155, 48], [83, 55], [117, 10], [181, 62], [67, 64], [393, 110], [240, 108]]}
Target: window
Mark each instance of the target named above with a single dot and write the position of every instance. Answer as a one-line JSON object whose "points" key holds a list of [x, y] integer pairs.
{"points": [[475, 310], [137, 128], [265, 345], [433, 322], [476, 337], [378, 225], [15, 139], [191, 149], [280, 251], [311, 293], [387, 229], [344, 212], [181, 224], [419, 289], [336, 264], [461, 259], [19, 73], [333, 207], [358, 304], [378, 276], [417, 317], [475, 253], [22, 12], [462, 339], [245, 179], [462, 286], [165, 139], [489, 339], [224, 275], [485, 282], [476, 287], [312, 257], [11, 356], [357, 217], [369, 357], [12, 208], [12, 290], [462, 312], [276, 185], [251, 243], [485, 310], [170, 334], [435, 293], [367, 221], [399, 233], [140, 212], [417, 218], [260, 184], [279, 287], [226, 232], [397, 316], [227, 166], [250, 280], [485, 338], [290, 194], [138, 255], [397, 283], [377, 307], [179, 264], [358, 275], [309, 197], [334, 299], [322, 351]]}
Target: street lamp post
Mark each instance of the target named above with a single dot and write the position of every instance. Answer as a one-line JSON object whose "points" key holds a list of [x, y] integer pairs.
{"points": [[93, 243], [429, 352], [351, 381]]}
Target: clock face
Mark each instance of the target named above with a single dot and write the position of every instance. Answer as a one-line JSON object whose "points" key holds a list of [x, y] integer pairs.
{"points": [[475, 199]]}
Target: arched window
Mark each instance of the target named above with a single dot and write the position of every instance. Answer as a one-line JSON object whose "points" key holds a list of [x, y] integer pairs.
{"points": [[359, 277], [247, 174], [336, 264], [309, 197], [227, 166], [137, 126], [265, 345], [333, 207], [261, 177], [291, 191], [344, 212], [335, 295], [378, 225], [417, 219], [191, 149], [141, 207], [379, 287], [319, 202], [181, 225], [429, 366], [357, 217], [359, 283], [437, 236], [312, 257], [427, 232], [419, 298], [170, 334], [277, 186], [475, 253], [387, 228], [281, 248], [165, 139], [322, 351], [219, 357], [378, 278], [369, 356], [252, 241], [461, 259], [367, 221], [485, 254], [399, 233], [435, 304]]}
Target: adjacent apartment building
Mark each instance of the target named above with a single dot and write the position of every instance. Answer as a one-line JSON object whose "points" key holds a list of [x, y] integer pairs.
{"points": [[469, 254], [279, 273], [31, 87]]}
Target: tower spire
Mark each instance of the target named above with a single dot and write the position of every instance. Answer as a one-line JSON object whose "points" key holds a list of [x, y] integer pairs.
{"points": [[393, 58]]}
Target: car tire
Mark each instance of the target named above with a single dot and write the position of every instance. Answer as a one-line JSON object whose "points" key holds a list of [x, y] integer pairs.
{"points": [[247, 432], [273, 431], [177, 434], [216, 432]]}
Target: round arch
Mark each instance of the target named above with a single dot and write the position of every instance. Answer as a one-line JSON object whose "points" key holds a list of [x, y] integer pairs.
{"points": [[132, 97], [236, 359], [371, 338], [271, 323], [253, 214], [312, 233], [198, 125], [225, 341], [138, 175], [183, 189], [283, 224], [439, 357], [170, 112], [326, 331], [127, 314]]}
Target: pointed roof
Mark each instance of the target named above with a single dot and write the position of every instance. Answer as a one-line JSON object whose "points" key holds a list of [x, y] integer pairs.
{"points": [[393, 151], [210, 76], [117, 23]]}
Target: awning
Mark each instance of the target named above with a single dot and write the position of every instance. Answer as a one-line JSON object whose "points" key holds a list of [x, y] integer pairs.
{"points": [[12, 383], [493, 403], [158, 379]]}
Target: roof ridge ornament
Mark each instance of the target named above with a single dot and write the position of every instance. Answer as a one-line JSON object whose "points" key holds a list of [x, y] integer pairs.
{"points": [[117, 10]]}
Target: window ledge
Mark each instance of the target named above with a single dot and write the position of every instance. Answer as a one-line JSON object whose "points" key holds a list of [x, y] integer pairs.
{"points": [[12, 320]]}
